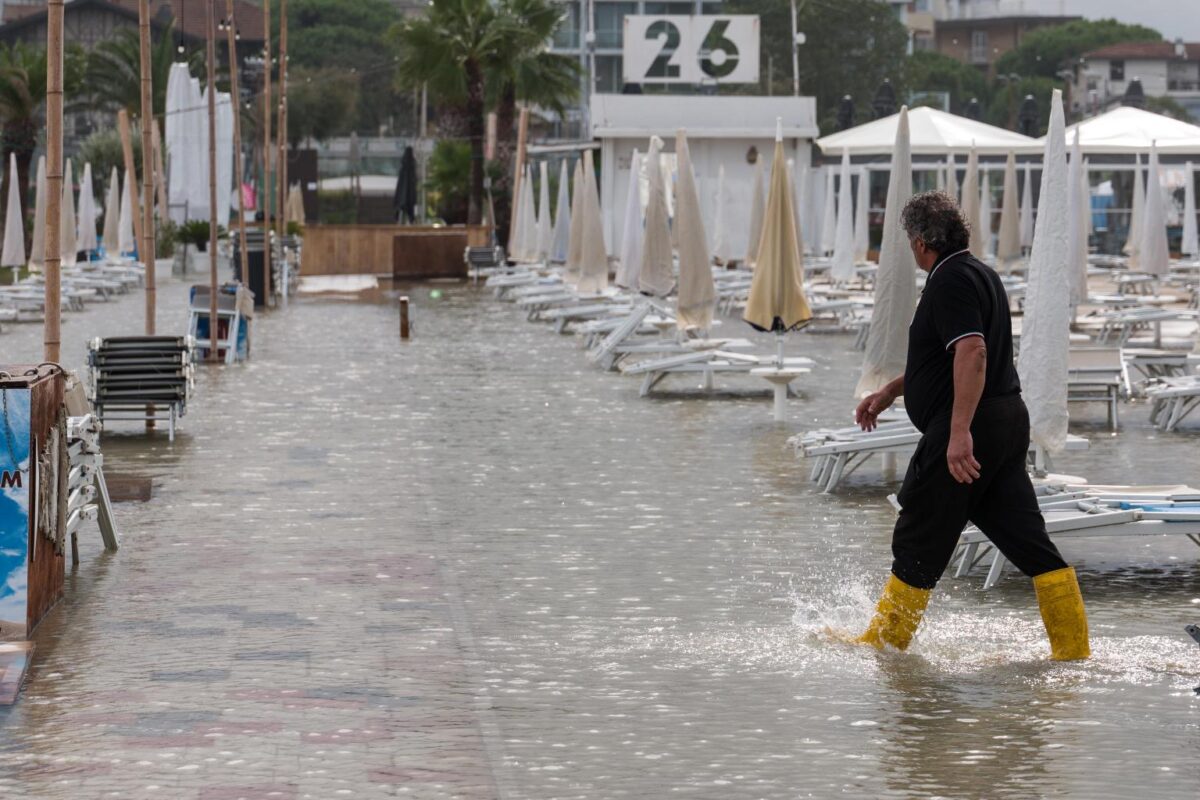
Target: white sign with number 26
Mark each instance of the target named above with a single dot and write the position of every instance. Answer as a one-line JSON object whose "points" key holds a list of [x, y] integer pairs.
{"points": [[691, 49]]}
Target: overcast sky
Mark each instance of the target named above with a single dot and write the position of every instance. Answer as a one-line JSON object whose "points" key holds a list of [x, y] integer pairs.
{"points": [[1171, 18]]}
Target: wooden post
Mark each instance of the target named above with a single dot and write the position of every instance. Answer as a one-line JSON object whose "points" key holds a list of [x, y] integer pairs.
{"points": [[210, 55], [404, 317], [51, 335], [146, 247], [281, 137], [264, 195], [127, 152], [235, 93]]}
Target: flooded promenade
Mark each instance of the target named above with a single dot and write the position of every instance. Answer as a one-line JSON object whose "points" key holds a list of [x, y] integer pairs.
{"points": [[473, 565]]}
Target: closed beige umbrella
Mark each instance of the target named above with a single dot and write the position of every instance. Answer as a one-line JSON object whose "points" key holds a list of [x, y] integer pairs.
{"points": [[777, 301], [756, 212], [593, 258], [13, 254], [970, 204], [697, 293], [658, 275], [67, 225], [37, 247], [896, 279], [112, 215], [575, 238], [1008, 247]]}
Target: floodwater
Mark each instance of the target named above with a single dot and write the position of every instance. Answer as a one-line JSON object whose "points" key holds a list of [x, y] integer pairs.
{"points": [[472, 565]]}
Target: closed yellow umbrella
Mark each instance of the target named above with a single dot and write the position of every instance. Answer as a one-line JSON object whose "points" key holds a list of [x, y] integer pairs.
{"points": [[777, 301], [697, 293]]}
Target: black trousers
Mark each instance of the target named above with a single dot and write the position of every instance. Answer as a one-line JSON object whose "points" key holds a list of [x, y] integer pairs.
{"points": [[1001, 502]]}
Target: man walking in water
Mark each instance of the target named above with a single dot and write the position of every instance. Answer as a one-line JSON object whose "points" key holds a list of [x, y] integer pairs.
{"points": [[962, 392]]}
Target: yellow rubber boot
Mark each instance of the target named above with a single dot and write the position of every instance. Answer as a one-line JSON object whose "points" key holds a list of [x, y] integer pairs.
{"points": [[897, 615], [1062, 612]]}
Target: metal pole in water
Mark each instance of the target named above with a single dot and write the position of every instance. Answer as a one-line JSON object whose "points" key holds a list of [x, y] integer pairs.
{"points": [[210, 57], [404, 328]]}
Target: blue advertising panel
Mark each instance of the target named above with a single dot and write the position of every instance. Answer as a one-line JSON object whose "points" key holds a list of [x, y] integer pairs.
{"points": [[14, 512]]}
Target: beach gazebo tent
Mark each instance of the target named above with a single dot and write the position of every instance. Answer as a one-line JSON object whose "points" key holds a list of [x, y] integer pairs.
{"points": [[657, 276], [562, 218], [932, 132], [1128, 131], [630, 263], [896, 280], [697, 294], [13, 253], [112, 215], [1045, 334]]}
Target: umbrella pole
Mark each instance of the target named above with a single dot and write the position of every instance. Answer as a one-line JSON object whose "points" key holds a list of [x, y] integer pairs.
{"points": [[51, 337], [779, 349], [282, 180], [210, 57], [264, 193]]}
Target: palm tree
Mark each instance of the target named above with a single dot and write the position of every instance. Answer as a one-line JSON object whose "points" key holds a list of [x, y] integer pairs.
{"points": [[114, 77], [452, 50], [22, 97]]}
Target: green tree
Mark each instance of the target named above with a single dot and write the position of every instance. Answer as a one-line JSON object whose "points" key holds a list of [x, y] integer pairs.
{"points": [[926, 71], [23, 99], [321, 103], [1046, 51], [1169, 107], [103, 151], [114, 76], [1006, 102], [850, 47], [452, 49], [350, 35]]}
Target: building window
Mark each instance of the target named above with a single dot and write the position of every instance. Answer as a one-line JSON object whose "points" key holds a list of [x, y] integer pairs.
{"points": [[679, 9], [567, 35], [921, 6], [979, 47], [1116, 70], [922, 41], [610, 23], [608, 74]]}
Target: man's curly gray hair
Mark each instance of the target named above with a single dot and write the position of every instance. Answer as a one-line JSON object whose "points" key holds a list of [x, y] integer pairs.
{"points": [[935, 219]]}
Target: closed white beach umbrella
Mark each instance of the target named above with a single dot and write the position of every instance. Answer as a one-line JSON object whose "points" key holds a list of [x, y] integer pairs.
{"points": [[1027, 209], [1045, 332], [529, 221], [657, 276], [970, 203], [1085, 191], [1154, 258], [1133, 241], [593, 267], [545, 234], [197, 207], [630, 264], [1076, 234], [842, 269], [13, 254], [720, 228], [896, 279], [756, 212], [985, 215], [562, 217], [862, 203], [37, 246], [112, 215], [224, 157], [697, 293], [828, 214], [66, 232], [177, 140], [87, 241], [575, 240], [1008, 244], [952, 178], [777, 301], [126, 244], [1190, 246]]}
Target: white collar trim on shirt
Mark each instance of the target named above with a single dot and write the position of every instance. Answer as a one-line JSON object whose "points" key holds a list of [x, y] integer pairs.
{"points": [[944, 260]]}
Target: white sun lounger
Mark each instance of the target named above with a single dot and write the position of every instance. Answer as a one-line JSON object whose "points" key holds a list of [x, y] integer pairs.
{"points": [[1097, 374], [1084, 512], [1172, 400], [707, 363]]}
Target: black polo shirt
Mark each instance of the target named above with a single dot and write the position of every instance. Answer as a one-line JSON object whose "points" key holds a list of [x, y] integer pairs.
{"points": [[962, 297]]}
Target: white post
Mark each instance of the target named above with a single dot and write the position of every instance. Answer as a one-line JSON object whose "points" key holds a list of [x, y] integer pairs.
{"points": [[795, 55]]}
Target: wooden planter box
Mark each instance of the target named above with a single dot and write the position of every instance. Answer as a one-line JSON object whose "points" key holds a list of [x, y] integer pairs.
{"points": [[410, 252]]}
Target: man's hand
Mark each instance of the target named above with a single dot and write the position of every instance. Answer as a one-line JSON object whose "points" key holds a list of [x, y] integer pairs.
{"points": [[871, 407], [960, 457]]}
